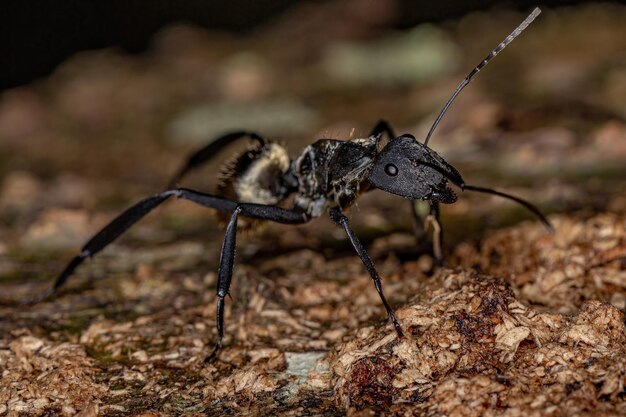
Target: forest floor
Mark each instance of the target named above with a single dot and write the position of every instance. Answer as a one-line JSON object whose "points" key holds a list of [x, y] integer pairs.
{"points": [[518, 322]]}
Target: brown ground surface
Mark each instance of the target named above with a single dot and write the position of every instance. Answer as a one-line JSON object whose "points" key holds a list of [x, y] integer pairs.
{"points": [[518, 323]]}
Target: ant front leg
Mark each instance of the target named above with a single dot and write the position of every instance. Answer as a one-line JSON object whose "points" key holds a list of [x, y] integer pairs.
{"points": [[418, 220], [433, 218], [421, 223], [340, 219]]}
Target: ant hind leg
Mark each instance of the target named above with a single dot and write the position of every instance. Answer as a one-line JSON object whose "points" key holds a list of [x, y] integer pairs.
{"points": [[205, 153]]}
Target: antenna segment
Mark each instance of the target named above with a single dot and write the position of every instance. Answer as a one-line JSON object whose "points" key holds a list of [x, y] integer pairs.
{"points": [[480, 66]]}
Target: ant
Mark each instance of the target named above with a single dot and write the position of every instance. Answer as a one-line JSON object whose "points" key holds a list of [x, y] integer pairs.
{"points": [[327, 177]]}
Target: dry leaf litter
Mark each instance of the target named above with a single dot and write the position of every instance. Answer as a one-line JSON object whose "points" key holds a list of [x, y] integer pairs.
{"points": [[303, 338]]}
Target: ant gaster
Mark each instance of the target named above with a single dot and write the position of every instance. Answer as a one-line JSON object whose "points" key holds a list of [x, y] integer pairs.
{"points": [[328, 176]]}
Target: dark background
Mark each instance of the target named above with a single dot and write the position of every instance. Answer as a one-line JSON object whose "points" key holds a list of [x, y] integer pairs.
{"points": [[37, 35]]}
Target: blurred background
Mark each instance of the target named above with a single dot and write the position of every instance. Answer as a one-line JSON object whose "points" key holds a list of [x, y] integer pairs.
{"points": [[101, 102], [38, 36]]}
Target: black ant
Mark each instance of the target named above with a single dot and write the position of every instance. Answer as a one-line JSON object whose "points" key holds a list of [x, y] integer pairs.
{"points": [[328, 176]]}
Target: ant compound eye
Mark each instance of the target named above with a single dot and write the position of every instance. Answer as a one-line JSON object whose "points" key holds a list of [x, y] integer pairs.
{"points": [[391, 170]]}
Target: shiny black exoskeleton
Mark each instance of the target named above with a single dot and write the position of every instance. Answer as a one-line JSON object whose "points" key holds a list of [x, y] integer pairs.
{"points": [[326, 178]]}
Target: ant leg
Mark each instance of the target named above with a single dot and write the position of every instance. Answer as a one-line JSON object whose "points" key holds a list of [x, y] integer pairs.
{"points": [[224, 277], [109, 233], [202, 155], [135, 213], [418, 221], [433, 219], [383, 127], [340, 219]]}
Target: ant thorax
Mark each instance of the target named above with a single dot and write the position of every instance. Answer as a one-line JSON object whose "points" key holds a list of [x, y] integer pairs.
{"points": [[332, 173]]}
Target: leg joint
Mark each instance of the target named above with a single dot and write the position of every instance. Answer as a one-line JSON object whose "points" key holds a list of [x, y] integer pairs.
{"points": [[177, 192], [337, 216]]}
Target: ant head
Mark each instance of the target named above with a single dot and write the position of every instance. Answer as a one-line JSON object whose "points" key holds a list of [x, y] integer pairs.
{"points": [[408, 168]]}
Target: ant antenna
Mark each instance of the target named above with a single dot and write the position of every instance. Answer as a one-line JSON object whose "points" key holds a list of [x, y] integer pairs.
{"points": [[458, 181], [480, 66], [518, 200]]}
